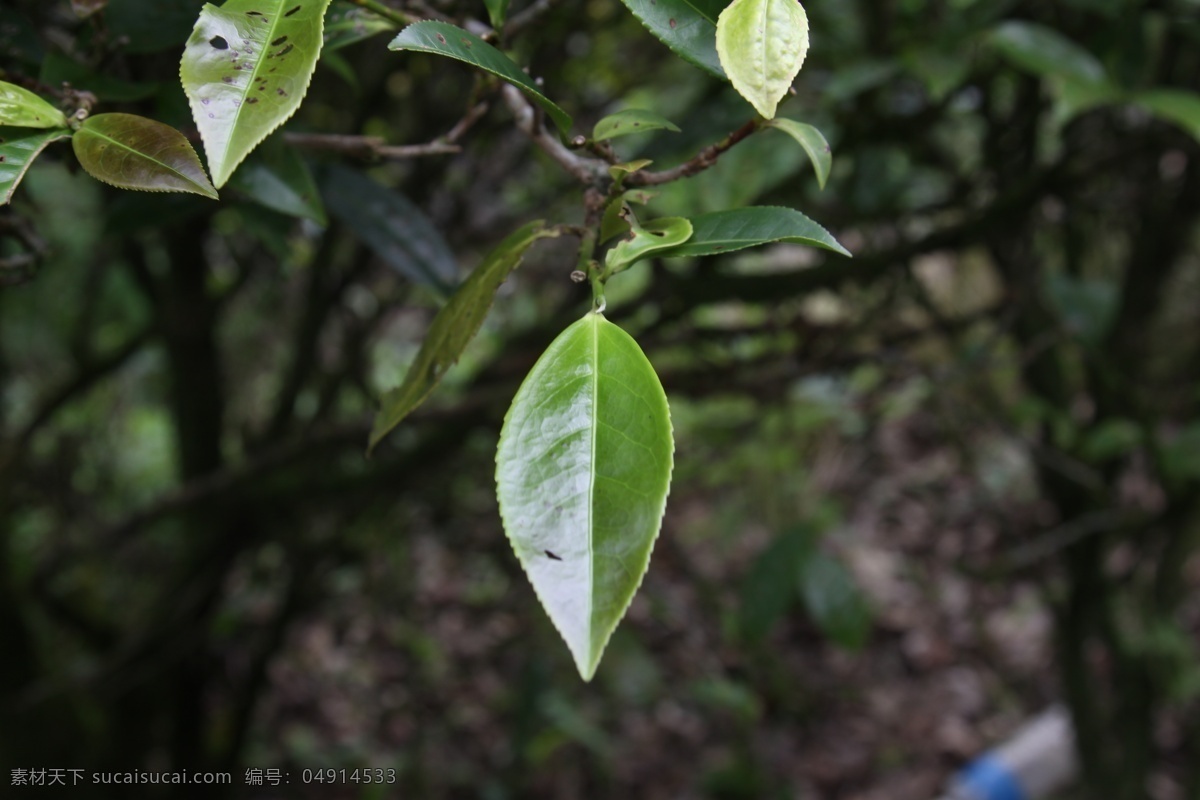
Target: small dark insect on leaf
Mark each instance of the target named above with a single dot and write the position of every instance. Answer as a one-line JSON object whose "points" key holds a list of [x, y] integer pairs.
{"points": [[551, 555], [219, 43]]}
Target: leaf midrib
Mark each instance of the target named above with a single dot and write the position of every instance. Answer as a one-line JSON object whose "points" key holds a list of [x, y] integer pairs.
{"points": [[123, 146], [277, 16], [591, 596]]}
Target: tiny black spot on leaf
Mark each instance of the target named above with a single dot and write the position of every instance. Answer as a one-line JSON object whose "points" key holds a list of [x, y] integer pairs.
{"points": [[672, 23], [285, 51], [441, 38], [251, 99], [293, 11], [219, 43], [551, 555], [279, 41], [3, 159]]}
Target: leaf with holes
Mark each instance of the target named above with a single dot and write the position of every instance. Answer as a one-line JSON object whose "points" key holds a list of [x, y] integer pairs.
{"points": [[347, 24], [132, 152], [726, 231], [762, 44], [813, 143], [646, 240], [22, 108], [631, 120], [276, 177], [454, 327], [582, 474], [18, 148], [245, 69], [445, 39], [688, 27]]}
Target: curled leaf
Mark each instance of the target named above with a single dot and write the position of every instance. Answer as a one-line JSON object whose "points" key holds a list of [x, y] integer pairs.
{"points": [[813, 143], [132, 152], [644, 241]]}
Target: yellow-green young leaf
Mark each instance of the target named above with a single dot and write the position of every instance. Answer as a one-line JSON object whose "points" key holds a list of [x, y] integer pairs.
{"points": [[631, 120], [453, 329], [645, 241], [245, 69], [24, 109], [582, 474], [132, 152], [813, 143], [762, 44], [18, 148]]}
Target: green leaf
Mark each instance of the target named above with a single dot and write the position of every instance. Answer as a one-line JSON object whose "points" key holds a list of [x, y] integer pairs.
{"points": [[645, 241], [245, 69], [22, 108], [613, 221], [631, 120], [18, 148], [726, 231], [813, 143], [582, 474], [132, 152], [497, 12], [58, 68], [1045, 51], [347, 24], [454, 327], [392, 226], [770, 586], [688, 28], [762, 44], [277, 177], [833, 600], [1173, 105], [445, 39]]}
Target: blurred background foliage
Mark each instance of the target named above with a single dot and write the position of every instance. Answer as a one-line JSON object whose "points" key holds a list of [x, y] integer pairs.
{"points": [[919, 494]]}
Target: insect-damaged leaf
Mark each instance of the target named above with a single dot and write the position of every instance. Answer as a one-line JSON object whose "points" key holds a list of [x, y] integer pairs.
{"points": [[18, 148], [582, 474], [645, 241], [447, 40], [688, 27], [813, 143], [454, 327], [132, 152], [24, 109], [246, 68], [762, 44], [726, 231]]}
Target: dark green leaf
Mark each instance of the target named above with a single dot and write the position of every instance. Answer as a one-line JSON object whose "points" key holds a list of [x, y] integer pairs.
{"points": [[18, 148], [58, 68], [453, 329], [497, 12], [770, 587], [813, 143], [277, 177], [833, 600], [582, 474], [19, 39], [133, 152], [392, 226], [1045, 51], [23, 109], [347, 24], [1174, 105], [726, 231], [447, 40], [689, 29], [246, 68], [152, 26], [631, 120]]}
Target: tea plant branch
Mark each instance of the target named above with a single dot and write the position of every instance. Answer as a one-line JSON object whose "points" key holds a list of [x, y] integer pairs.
{"points": [[700, 162], [590, 171], [368, 148]]}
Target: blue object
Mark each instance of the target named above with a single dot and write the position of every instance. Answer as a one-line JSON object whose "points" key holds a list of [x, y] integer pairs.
{"points": [[989, 778]]}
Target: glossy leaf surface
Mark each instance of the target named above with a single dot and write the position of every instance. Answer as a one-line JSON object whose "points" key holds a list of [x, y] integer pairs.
{"points": [[1045, 51], [245, 69], [726, 231], [447, 40], [645, 241], [392, 226], [132, 152], [688, 28], [346, 24], [582, 474], [631, 120], [18, 149], [454, 327], [23, 109], [277, 177], [762, 45], [813, 143]]}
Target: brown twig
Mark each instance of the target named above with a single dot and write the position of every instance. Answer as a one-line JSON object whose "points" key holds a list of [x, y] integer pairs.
{"points": [[702, 160], [590, 171], [368, 148]]}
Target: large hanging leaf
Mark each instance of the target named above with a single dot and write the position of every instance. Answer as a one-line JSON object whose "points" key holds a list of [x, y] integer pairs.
{"points": [[1045, 51], [813, 143], [277, 177], [582, 474], [1174, 105], [726, 231], [392, 226], [18, 148], [762, 44], [246, 68], [687, 27], [23, 109], [454, 327], [631, 120], [132, 152], [447, 40]]}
